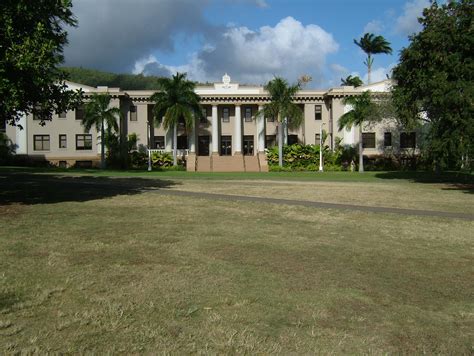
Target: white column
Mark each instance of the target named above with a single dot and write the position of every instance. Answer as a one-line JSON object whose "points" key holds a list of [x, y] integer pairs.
{"points": [[192, 138], [169, 140], [261, 130], [215, 130], [285, 131], [237, 131], [22, 136]]}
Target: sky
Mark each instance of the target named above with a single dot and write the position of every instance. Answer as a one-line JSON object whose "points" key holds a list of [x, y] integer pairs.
{"points": [[251, 40]]}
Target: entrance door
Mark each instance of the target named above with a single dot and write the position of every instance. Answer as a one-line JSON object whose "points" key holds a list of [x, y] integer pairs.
{"points": [[226, 145], [203, 146], [248, 145]]}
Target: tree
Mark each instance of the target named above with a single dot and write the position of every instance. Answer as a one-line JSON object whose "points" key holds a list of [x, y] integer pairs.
{"points": [[281, 107], [176, 101], [352, 81], [98, 113], [31, 49], [372, 44], [435, 79], [363, 110]]}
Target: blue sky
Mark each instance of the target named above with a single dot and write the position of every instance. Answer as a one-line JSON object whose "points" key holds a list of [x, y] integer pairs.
{"points": [[252, 40]]}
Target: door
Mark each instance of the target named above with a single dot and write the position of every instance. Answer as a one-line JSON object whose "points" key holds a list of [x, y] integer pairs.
{"points": [[248, 145], [226, 145], [203, 146]]}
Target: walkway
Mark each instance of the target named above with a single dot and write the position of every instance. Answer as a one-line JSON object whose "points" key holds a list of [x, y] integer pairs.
{"points": [[315, 204]]}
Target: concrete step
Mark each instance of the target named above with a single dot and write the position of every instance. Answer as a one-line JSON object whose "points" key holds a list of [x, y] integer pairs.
{"points": [[251, 164], [203, 164], [228, 164]]}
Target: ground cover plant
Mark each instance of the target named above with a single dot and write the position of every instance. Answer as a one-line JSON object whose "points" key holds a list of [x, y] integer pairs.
{"points": [[97, 263]]}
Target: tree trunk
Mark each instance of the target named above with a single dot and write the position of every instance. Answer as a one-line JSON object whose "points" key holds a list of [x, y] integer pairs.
{"points": [[102, 145], [369, 68], [280, 143], [175, 144], [361, 151]]}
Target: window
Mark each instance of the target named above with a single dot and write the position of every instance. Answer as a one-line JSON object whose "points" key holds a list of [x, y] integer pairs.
{"points": [[133, 113], [317, 139], [160, 142], [41, 142], [62, 141], [270, 141], [368, 139], [182, 142], [248, 114], [318, 112], [387, 139], [407, 140], [203, 119], [62, 115], [80, 113], [225, 115], [248, 145], [226, 145], [84, 142], [292, 139]]}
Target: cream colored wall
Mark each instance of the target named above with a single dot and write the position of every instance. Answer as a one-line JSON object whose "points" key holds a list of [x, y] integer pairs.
{"points": [[311, 125]]}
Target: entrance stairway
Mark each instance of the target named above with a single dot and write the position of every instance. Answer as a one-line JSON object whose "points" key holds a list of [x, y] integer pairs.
{"points": [[237, 163]]}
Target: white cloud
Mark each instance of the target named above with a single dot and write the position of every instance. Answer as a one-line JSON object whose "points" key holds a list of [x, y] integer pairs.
{"points": [[289, 49], [380, 73], [261, 3], [407, 23], [374, 26]]}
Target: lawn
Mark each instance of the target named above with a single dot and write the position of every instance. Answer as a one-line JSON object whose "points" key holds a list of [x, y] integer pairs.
{"points": [[95, 263]]}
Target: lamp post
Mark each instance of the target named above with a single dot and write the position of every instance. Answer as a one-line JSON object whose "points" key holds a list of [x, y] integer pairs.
{"points": [[149, 153], [321, 168]]}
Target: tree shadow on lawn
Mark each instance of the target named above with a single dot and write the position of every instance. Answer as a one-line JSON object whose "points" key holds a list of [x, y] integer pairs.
{"points": [[451, 180], [29, 188]]}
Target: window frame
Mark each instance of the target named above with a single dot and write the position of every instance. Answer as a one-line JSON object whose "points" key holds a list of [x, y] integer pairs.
{"points": [[318, 112], [62, 136], [159, 139], [203, 119], [43, 141], [225, 110], [84, 136], [387, 139], [79, 113], [406, 138], [133, 113], [248, 118], [364, 140]]}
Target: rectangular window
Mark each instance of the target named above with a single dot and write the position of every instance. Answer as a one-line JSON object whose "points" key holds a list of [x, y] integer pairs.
{"points": [[225, 115], [248, 114], [270, 141], [407, 140], [387, 139], [248, 145], [62, 115], [84, 142], [318, 112], [292, 139], [317, 139], [368, 139], [160, 142], [226, 145], [182, 142], [41, 142], [80, 113], [62, 141], [203, 119], [133, 113]]}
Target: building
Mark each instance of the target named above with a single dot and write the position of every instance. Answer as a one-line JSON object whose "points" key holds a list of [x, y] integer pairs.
{"points": [[230, 138]]}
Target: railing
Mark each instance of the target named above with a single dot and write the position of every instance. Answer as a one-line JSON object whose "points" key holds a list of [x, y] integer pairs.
{"points": [[180, 153]]}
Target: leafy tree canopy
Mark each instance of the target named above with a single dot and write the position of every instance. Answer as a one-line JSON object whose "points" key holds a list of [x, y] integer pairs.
{"points": [[352, 81], [435, 79], [31, 49]]}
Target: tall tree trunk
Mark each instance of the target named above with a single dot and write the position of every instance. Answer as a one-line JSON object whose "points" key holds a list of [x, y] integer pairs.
{"points": [[361, 151], [175, 144], [280, 142], [102, 145], [369, 67]]}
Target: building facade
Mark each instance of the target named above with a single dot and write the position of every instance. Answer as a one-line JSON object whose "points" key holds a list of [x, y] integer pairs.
{"points": [[229, 138]]}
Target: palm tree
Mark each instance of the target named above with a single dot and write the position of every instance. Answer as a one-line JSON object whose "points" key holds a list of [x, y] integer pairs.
{"points": [[176, 101], [97, 113], [372, 44], [352, 81], [362, 111], [281, 107]]}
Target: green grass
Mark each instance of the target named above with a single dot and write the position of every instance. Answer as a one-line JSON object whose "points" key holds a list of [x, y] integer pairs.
{"points": [[94, 265]]}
